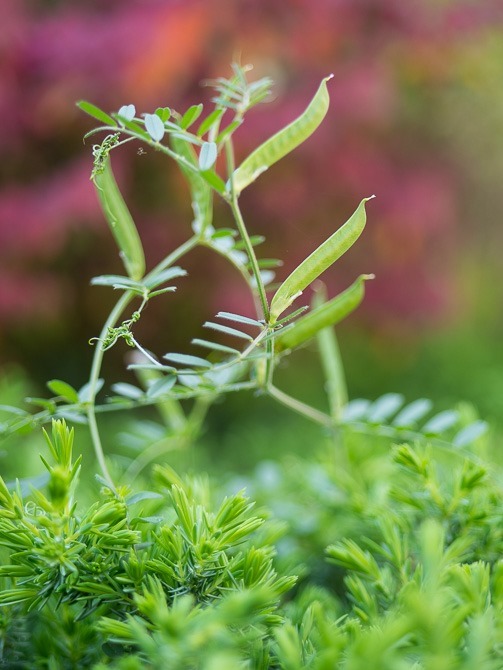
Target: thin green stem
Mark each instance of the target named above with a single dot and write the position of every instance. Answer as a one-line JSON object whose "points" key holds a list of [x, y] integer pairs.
{"points": [[198, 414], [145, 353], [174, 256], [112, 319], [331, 362], [269, 362], [242, 270], [300, 407], [234, 205], [334, 372]]}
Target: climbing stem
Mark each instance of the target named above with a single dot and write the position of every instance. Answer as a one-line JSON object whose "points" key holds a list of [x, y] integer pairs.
{"points": [[300, 407], [238, 218], [175, 255], [269, 361], [112, 319]]}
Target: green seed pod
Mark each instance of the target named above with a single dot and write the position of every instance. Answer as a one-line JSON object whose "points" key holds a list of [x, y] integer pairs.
{"points": [[119, 219], [321, 259], [284, 141], [326, 314]]}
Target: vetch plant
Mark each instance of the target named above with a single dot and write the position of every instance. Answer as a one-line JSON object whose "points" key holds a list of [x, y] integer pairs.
{"points": [[205, 153], [393, 555]]}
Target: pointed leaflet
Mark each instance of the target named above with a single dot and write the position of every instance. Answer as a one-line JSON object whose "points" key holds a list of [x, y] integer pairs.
{"points": [[356, 409], [165, 275], [284, 141], [227, 330], [214, 346], [134, 127], [191, 116], [85, 391], [115, 280], [214, 180], [186, 359], [239, 319], [127, 390], [384, 407], [470, 433], [64, 390], [412, 413], [209, 121], [96, 113], [441, 422], [321, 259], [161, 386], [119, 220]]}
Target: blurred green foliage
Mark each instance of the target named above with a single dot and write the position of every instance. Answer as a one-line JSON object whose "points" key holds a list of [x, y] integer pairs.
{"points": [[395, 552]]}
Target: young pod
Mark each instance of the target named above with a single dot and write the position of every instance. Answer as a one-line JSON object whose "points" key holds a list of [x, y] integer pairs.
{"points": [[120, 220]]}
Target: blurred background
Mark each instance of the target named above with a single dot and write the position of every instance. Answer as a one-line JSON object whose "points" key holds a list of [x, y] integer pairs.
{"points": [[416, 118]]}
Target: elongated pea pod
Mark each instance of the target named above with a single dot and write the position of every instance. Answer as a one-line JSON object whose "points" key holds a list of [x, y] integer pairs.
{"points": [[200, 190], [120, 220], [327, 314], [284, 141], [321, 259]]}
